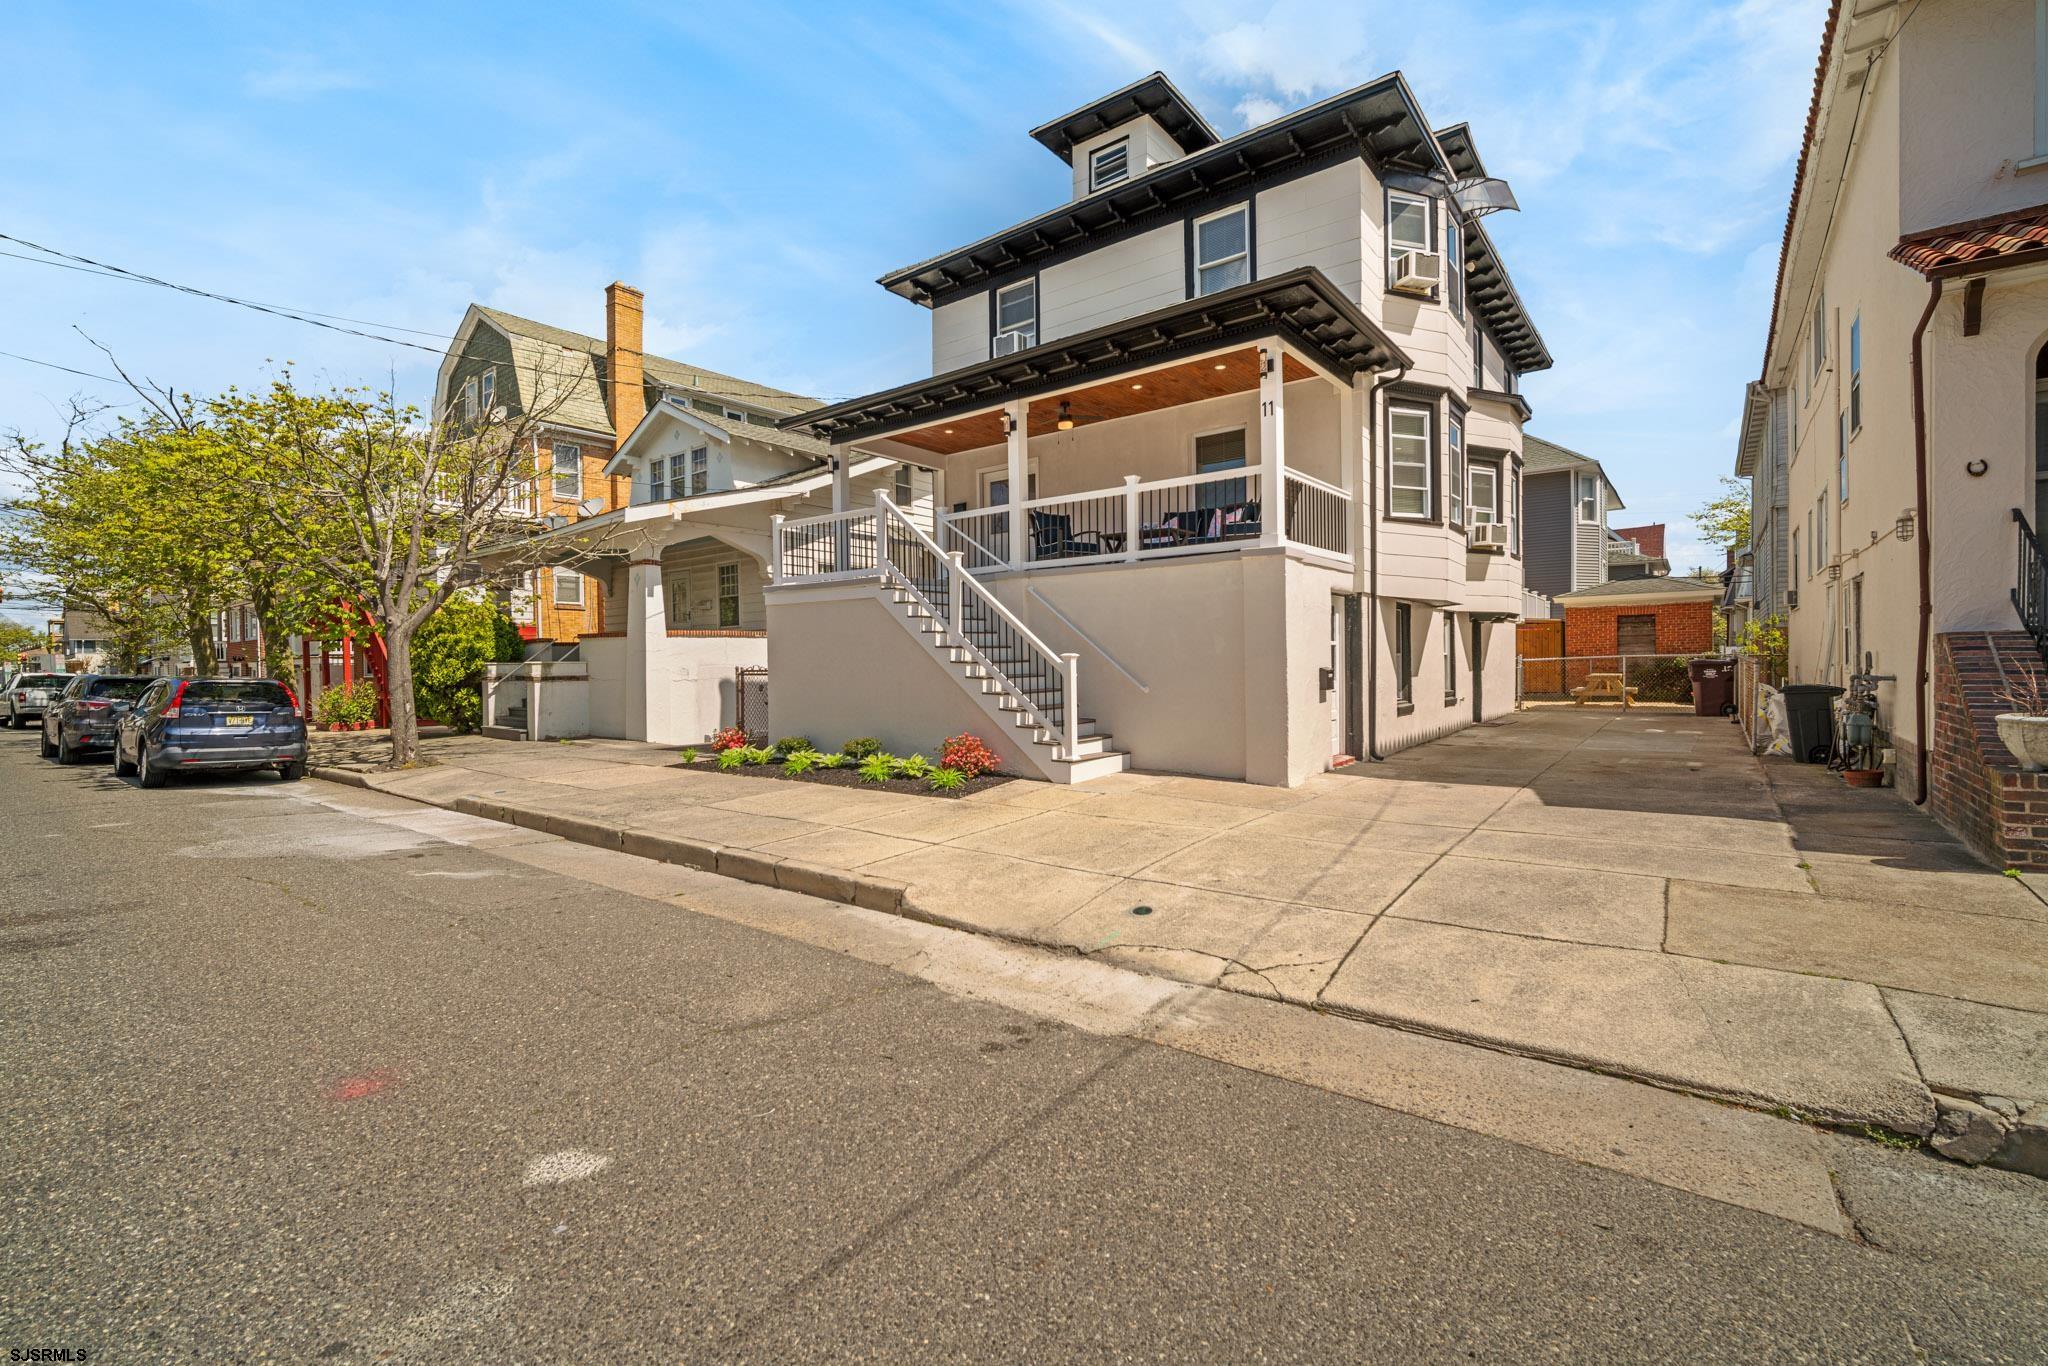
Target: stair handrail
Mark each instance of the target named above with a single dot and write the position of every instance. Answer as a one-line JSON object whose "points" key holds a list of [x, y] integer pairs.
{"points": [[2030, 582], [1068, 724]]}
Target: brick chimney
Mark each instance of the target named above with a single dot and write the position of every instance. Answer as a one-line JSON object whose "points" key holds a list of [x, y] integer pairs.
{"points": [[625, 399]]}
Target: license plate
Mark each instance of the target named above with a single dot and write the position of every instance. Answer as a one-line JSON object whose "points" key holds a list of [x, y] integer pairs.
{"points": [[239, 720]]}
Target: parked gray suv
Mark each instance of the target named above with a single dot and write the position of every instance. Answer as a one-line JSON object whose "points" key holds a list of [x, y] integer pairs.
{"points": [[32, 694], [83, 718]]}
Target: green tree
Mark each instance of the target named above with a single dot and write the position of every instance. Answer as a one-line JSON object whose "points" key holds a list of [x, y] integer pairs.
{"points": [[17, 640], [449, 654], [1723, 520]]}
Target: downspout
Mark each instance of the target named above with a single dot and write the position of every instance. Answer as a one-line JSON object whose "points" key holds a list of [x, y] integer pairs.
{"points": [[1372, 531], [1926, 554]]}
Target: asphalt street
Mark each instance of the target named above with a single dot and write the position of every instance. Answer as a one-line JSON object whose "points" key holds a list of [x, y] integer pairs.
{"points": [[290, 1081]]}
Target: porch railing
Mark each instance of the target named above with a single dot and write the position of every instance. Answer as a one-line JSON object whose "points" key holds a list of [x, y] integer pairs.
{"points": [[2030, 583], [835, 545], [1318, 514], [982, 537]]}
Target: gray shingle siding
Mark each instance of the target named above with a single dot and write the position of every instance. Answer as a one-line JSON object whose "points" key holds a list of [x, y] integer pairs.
{"points": [[1547, 525]]}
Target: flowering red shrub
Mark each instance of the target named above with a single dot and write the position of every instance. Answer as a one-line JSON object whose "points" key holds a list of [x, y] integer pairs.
{"points": [[967, 755], [732, 737]]}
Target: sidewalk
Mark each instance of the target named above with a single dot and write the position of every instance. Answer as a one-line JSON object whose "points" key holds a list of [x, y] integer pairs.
{"points": [[1630, 893]]}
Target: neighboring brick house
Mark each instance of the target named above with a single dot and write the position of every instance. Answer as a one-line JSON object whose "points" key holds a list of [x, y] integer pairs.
{"points": [[1641, 616], [599, 390], [1636, 552]]}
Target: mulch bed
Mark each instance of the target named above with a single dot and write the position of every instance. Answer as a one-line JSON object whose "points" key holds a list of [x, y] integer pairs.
{"points": [[848, 777]]}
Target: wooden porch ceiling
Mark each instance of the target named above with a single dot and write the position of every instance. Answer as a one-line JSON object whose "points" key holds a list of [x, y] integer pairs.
{"points": [[1232, 372]]}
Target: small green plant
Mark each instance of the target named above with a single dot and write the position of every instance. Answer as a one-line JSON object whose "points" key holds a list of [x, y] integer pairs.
{"points": [[946, 779], [801, 762], [757, 756], [2012, 872], [877, 768], [916, 766], [689, 756], [863, 747], [730, 759], [793, 744], [833, 761]]}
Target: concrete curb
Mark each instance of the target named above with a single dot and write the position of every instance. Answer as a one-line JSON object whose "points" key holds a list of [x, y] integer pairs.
{"points": [[893, 897]]}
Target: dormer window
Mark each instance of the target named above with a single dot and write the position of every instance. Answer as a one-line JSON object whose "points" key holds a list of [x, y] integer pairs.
{"points": [[1223, 250], [1109, 164], [1016, 310]]}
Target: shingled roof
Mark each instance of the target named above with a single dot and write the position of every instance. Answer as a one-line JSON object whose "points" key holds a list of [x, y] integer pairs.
{"points": [[2006, 239]]}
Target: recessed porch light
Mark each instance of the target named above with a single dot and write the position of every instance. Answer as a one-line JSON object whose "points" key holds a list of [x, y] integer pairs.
{"points": [[1220, 365], [1137, 386]]}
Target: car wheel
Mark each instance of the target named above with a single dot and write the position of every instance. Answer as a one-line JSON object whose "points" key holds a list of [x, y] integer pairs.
{"points": [[293, 771], [122, 768], [65, 753], [146, 773], [49, 750], [14, 720], [1727, 709]]}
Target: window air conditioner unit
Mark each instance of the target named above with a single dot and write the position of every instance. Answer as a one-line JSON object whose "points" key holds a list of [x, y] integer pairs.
{"points": [[1791, 597], [1417, 272], [1009, 343], [1490, 538]]}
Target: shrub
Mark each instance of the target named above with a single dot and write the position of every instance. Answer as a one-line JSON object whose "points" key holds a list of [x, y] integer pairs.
{"points": [[916, 766], [802, 761], [730, 759], [349, 704], [732, 737], [794, 744], [968, 755], [833, 761], [449, 652], [946, 779], [756, 755], [864, 747], [877, 768], [689, 756], [1660, 680]]}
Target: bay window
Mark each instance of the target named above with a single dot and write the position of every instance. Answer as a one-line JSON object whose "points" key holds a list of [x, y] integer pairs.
{"points": [[1454, 435], [1411, 482], [1485, 493]]}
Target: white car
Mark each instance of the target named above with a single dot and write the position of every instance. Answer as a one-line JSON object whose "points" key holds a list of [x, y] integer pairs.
{"points": [[29, 695]]}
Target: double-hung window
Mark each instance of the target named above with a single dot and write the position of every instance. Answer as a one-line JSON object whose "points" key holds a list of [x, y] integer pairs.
{"points": [[1450, 658], [1408, 226], [1819, 341], [700, 470], [1514, 492], [568, 588], [487, 391], [1223, 250], [679, 475], [1219, 451], [1855, 376], [728, 596], [1842, 456], [1016, 317], [1589, 498], [568, 472], [1109, 164], [1411, 486], [1485, 493], [1454, 436], [1454, 264], [657, 480], [1478, 355], [469, 392]]}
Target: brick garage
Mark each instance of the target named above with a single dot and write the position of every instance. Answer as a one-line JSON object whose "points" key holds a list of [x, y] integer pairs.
{"points": [[1654, 616], [1975, 786]]}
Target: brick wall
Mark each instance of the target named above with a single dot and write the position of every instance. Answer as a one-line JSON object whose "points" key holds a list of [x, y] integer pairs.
{"points": [[1683, 628], [559, 622], [1975, 785]]}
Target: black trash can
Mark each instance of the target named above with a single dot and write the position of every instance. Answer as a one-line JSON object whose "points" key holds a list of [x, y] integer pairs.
{"points": [[1713, 686], [1809, 719]]}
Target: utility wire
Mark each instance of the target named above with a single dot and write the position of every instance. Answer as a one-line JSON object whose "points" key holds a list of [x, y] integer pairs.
{"points": [[52, 365], [332, 321]]}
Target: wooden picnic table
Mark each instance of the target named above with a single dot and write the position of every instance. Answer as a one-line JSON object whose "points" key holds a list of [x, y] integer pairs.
{"points": [[1603, 687]]}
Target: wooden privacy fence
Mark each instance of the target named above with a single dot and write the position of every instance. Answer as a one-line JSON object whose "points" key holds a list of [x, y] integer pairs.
{"points": [[1538, 647]]}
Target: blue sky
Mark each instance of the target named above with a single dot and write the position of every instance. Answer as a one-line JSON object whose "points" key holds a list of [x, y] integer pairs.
{"points": [[393, 162]]}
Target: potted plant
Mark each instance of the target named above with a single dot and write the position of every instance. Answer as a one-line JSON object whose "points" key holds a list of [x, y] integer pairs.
{"points": [[2024, 729]]}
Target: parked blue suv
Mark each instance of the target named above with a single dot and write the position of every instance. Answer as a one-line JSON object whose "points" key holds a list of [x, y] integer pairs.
{"points": [[183, 724]]}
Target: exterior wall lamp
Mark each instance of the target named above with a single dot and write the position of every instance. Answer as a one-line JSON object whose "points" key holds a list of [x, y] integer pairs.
{"points": [[1903, 528]]}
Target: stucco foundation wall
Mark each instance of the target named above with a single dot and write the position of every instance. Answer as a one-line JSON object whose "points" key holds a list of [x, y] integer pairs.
{"points": [[605, 659], [564, 707], [843, 664], [691, 688], [1434, 712]]}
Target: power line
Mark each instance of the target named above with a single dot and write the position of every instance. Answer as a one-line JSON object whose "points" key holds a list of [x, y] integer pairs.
{"points": [[331, 321], [52, 365]]}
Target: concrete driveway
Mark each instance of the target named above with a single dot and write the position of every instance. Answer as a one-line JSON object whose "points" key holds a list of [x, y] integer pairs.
{"points": [[1634, 893]]}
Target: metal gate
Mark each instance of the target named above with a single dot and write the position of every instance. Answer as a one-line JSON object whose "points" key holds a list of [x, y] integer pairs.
{"points": [[750, 702]]}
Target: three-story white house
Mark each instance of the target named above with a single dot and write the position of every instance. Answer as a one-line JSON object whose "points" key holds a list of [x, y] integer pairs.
{"points": [[1227, 452]]}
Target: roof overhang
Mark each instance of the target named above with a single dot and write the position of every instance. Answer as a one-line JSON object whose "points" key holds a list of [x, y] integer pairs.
{"points": [[1301, 307], [2002, 241], [1380, 121], [1154, 95], [1756, 420], [1605, 595]]}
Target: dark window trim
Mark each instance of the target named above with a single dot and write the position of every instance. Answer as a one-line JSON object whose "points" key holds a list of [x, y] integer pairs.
{"points": [[1037, 310], [1454, 299], [1404, 657], [1434, 234], [1435, 515], [1094, 152], [1494, 456], [1251, 241], [1457, 415]]}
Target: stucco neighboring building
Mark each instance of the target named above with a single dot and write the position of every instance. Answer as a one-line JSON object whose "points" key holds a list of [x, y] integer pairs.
{"points": [[1229, 451], [1895, 436]]}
